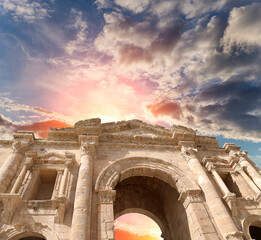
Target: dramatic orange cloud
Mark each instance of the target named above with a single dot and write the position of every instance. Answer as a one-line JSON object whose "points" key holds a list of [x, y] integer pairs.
{"points": [[41, 128]]}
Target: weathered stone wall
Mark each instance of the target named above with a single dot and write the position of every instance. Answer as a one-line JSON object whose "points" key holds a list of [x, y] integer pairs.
{"points": [[189, 185]]}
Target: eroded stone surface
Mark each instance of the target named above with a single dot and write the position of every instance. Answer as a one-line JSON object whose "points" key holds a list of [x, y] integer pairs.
{"points": [[75, 183]]}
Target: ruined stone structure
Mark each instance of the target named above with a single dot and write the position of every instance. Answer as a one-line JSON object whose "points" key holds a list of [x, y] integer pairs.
{"points": [[75, 183]]}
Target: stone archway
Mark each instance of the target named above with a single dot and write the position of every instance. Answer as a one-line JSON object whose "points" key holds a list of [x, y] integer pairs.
{"points": [[252, 226], [183, 190], [21, 231]]}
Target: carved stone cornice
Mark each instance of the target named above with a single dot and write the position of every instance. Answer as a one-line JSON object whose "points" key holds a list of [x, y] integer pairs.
{"points": [[24, 136], [106, 196], [52, 158], [231, 147], [143, 139], [114, 127], [190, 196], [220, 164]]}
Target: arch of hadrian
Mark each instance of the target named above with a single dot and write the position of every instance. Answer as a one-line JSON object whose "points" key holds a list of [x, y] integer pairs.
{"points": [[73, 184]]}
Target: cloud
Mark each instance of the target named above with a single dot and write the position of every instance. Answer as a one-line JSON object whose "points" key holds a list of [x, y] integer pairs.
{"points": [[78, 44], [8, 128], [133, 5], [24, 9], [166, 108], [234, 101], [231, 108], [9, 105], [243, 29]]}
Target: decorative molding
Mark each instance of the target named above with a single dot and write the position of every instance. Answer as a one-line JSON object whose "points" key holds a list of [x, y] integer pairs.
{"points": [[220, 164], [24, 136], [190, 196], [231, 147], [106, 196], [55, 158]]}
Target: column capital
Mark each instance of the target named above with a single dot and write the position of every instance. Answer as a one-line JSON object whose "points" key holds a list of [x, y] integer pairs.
{"points": [[210, 166], [70, 159], [189, 152], [243, 156], [190, 196], [87, 148], [18, 147], [238, 168], [30, 159], [106, 195]]}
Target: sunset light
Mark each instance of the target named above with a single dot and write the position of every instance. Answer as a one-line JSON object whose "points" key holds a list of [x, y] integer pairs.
{"points": [[135, 226], [164, 62]]}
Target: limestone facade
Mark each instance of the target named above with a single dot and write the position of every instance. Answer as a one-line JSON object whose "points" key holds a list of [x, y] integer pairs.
{"points": [[75, 183]]}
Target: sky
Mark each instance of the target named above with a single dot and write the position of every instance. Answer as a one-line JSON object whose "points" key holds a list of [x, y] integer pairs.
{"points": [[192, 63], [135, 226]]}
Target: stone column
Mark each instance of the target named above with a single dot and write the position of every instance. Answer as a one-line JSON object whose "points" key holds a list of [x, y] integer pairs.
{"points": [[80, 229], [69, 161], [254, 174], [11, 165], [219, 181], [229, 197], [218, 210], [200, 224], [106, 214], [249, 182], [30, 158]]}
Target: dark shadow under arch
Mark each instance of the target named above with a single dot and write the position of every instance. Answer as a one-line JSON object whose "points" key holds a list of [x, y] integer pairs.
{"points": [[156, 199], [255, 232]]}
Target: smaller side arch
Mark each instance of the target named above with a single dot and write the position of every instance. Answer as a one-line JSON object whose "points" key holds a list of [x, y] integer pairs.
{"points": [[144, 166], [247, 223], [15, 232]]}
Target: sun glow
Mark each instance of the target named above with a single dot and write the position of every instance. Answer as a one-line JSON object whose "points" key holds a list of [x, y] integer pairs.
{"points": [[134, 226]]}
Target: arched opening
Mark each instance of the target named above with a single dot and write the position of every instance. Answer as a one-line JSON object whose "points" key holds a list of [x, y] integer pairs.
{"points": [[136, 226], [29, 236], [255, 230], [32, 238], [156, 199]]}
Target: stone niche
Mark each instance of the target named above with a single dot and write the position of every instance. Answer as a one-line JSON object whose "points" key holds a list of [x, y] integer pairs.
{"points": [[43, 186]]}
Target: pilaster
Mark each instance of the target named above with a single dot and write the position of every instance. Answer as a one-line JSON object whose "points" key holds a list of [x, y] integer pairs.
{"points": [[219, 212], [105, 214]]}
